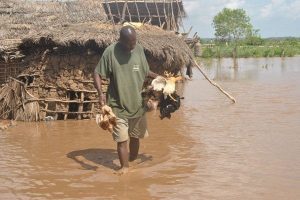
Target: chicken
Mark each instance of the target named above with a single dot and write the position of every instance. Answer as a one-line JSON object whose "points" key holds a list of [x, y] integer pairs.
{"points": [[107, 119], [166, 85]]}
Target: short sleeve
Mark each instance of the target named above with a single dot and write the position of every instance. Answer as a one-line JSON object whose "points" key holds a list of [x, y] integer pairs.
{"points": [[145, 62], [103, 68]]}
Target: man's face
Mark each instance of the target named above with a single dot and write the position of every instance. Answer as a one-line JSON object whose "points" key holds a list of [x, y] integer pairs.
{"points": [[129, 42]]}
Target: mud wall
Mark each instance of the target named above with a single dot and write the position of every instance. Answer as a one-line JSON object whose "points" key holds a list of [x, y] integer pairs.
{"points": [[63, 86]]}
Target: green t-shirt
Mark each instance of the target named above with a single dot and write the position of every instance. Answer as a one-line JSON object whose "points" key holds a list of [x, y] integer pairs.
{"points": [[127, 72]]}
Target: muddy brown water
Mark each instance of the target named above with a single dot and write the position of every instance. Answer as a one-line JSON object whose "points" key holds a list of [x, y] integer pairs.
{"points": [[210, 149]]}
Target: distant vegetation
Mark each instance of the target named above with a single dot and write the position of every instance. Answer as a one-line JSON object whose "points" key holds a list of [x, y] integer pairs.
{"points": [[251, 47], [236, 37]]}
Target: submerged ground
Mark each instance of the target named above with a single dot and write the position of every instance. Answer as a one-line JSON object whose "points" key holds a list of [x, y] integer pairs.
{"points": [[210, 149]]}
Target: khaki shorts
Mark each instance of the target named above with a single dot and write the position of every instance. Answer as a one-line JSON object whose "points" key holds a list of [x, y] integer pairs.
{"points": [[125, 128]]}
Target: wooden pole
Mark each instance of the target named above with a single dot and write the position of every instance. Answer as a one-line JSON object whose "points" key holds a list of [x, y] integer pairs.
{"points": [[124, 11], [180, 15], [137, 9], [129, 14], [150, 18], [173, 17], [68, 106], [110, 14], [5, 71], [166, 17], [80, 110], [157, 13], [118, 9], [214, 83], [92, 110], [56, 114]]}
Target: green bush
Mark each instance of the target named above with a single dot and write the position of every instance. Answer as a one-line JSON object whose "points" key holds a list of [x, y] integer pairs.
{"points": [[253, 41], [270, 49], [207, 52]]}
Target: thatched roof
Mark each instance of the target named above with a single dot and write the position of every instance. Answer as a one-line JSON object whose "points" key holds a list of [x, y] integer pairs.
{"points": [[22, 16], [26, 25]]}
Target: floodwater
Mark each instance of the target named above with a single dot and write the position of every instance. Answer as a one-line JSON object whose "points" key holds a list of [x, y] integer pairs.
{"points": [[210, 149]]}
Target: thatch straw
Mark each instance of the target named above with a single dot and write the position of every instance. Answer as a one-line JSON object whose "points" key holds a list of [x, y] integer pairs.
{"points": [[14, 104], [29, 25], [10, 99]]}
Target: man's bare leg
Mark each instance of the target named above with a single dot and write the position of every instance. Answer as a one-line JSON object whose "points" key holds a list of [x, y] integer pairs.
{"points": [[134, 146], [123, 157]]}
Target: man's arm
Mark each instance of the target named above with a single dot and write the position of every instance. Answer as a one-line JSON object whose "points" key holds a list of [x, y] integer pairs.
{"points": [[152, 74], [97, 83]]}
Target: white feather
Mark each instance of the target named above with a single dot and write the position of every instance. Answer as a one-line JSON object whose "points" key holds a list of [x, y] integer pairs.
{"points": [[159, 83], [169, 88]]}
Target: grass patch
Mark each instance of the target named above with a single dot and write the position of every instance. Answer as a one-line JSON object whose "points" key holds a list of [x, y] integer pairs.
{"points": [[225, 51]]}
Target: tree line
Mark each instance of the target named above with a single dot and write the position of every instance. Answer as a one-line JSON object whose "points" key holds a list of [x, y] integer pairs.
{"points": [[235, 37]]}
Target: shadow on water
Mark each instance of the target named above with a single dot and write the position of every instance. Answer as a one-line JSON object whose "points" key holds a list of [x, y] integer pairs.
{"points": [[90, 158]]}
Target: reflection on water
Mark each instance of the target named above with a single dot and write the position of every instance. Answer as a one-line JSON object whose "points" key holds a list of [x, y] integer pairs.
{"points": [[250, 68], [210, 149]]}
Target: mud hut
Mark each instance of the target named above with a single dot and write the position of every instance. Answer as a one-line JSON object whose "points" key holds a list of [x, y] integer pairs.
{"points": [[167, 14], [48, 51]]}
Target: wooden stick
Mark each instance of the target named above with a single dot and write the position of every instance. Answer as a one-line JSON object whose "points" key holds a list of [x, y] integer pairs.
{"points": [[43, 59], [128, 11], [60, 111], [137, 9], [110, 14], [180, 15], [146, 4], [166, 17], [20, 82], [157, 13], [214, 83], [92, 110], [173, 17], [118, 9], [80, 109], [63, 101], [124, 12]]}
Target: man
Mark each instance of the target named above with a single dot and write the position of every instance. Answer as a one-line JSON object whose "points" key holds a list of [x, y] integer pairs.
{"points": [[125, 64]]}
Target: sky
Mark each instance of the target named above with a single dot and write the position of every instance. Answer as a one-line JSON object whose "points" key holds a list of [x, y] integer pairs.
{"points": [[273, 18]]}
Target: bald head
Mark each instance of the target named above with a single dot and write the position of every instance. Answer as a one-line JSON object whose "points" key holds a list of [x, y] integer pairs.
{"points": [[127, 31], [128, 38]]}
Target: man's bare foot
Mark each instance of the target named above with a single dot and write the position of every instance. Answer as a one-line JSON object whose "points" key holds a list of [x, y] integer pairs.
{"points": [[132, 159], [135, 162], [122, 171]]}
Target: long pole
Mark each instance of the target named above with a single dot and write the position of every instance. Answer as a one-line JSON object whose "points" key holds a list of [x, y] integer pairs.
{"points": [[214, 83]]}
